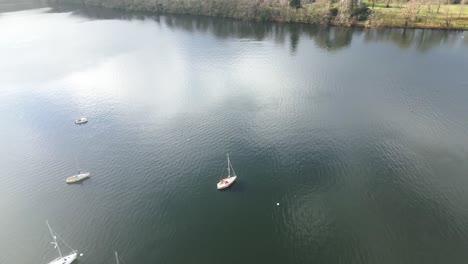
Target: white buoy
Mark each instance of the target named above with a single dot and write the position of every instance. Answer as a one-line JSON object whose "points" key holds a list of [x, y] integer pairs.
{"points": [[277, 204], [81, 254]]}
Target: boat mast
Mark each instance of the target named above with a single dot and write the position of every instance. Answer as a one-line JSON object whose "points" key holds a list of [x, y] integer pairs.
{"points": [[229, 166], [55, 240], [116, 257], [78, 167]]}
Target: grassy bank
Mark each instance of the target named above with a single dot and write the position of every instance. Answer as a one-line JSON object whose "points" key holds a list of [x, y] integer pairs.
{"points": [[428, 16], [412, 13]]}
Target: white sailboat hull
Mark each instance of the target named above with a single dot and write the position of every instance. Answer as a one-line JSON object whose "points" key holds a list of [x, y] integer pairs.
{"points": [[65, 260], [226, 182], [78, 177]]}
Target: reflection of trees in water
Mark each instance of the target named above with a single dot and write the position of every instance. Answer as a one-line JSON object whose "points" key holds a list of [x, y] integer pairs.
{"points": [[94, 12], [329, 38], [294, 41], [333, 38], [222, 29], [15, 5], [422, 40]]}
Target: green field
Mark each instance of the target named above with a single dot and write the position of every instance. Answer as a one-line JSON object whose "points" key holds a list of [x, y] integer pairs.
{"points": [[407, 14], [448, 16]]}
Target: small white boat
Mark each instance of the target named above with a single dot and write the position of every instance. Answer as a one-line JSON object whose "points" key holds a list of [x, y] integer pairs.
{"points": [[230, 179], [67, 259], [80, 121], [80, 176]]}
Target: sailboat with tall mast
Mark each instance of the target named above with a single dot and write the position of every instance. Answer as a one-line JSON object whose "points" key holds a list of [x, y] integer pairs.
{"points": [[80, 176], [230, 179], [67, 259]]}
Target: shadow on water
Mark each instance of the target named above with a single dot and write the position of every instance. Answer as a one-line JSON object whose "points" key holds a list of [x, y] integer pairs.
{"points": [[327, 38], [238, 186]]}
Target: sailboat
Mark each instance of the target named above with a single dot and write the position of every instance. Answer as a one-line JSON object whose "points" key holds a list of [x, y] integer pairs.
{"points": [[61, 259], [230, 179], [80, 176]]}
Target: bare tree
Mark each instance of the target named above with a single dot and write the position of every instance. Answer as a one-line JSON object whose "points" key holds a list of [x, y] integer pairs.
{"points": [[462, 2], [346, 7], [419, 6], [411, 11], [399, 3], [448, 16], [408, 13], [373, 20], [430, 14], [439, 2]]}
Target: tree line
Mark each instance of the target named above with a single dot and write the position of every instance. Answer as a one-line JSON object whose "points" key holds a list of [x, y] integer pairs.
{"points": [[372, 13]]}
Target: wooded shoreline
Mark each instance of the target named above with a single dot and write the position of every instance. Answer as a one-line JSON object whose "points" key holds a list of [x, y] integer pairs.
{"points": [[423, 14]]}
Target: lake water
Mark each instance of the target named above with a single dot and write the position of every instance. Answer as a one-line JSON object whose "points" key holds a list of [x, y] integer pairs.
{"points": [[360, 135]]}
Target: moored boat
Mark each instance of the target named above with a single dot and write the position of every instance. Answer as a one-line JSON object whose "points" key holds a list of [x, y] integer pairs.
{"points": [[80, 176], [67, 259], [230, 179], [80, 121]]}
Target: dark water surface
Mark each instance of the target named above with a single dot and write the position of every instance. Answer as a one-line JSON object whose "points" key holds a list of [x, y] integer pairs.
{"points": [[360, 135]]}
